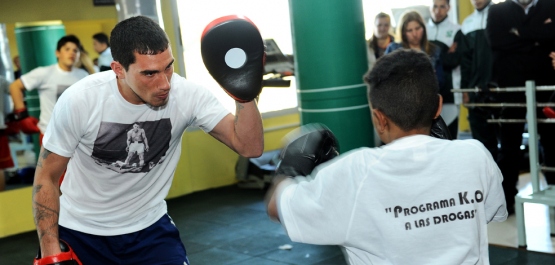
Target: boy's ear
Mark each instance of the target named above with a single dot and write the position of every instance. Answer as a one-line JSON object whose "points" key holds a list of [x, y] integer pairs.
{"points": [[439, 107], [380, 121]]}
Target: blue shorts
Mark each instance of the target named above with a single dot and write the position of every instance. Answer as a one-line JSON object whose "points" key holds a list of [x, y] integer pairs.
{"points": [[157, 244]]}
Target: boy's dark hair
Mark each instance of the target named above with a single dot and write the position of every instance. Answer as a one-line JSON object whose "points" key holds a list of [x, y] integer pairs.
{"points": [[102, 38], [404, 87], [137, 34], [66, 39]]}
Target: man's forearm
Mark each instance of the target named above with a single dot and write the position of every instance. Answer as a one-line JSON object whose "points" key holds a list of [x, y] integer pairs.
{"points": [[46, 208], [248, 129], [46, 200]]}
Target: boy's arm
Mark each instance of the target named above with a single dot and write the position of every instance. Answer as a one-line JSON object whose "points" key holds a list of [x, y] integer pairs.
{"points": [[16, 91], [27, 123]]}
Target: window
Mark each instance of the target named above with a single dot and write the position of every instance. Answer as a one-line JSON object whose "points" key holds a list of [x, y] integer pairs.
{"points": [[271, 18]]}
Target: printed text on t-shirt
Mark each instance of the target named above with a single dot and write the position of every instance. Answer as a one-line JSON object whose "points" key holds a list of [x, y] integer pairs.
{"points": [[463, 198]]}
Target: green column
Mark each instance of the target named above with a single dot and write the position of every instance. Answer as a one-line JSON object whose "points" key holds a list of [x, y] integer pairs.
{"points": [[330, 60], [36, 43]]}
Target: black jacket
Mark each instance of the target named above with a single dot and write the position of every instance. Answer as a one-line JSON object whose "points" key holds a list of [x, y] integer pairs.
{"points": [[526, 56]]}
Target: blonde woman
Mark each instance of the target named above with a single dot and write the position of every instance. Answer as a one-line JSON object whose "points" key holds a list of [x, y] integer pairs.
{"points": [[412, 31]]}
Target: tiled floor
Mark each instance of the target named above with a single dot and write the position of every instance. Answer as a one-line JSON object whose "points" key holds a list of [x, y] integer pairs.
{"points": [[229, 225]]}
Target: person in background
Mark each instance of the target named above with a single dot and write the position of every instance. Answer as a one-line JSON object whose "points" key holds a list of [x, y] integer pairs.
{"points": [[476, 64], [382, 205], [6, 128], [50, 82], [101, 45], [380, 38], [522, 37], [85, 62], [447, 35], [412, 31], [17, 67]]}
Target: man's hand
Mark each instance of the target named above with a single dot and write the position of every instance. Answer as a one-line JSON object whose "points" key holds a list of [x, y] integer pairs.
{"points": [[453, 48], [466, 98], [552, 55], [66, 257]]}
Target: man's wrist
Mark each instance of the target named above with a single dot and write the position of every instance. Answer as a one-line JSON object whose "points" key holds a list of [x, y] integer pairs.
{"points": [[20, 114]]}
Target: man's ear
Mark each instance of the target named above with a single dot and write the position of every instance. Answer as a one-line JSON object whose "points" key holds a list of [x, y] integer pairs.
{"points": [[439, 106], [118, 69]]}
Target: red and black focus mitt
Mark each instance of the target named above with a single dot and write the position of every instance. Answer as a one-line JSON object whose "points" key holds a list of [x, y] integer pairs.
{"points": [[66, 257], [233, 52]]}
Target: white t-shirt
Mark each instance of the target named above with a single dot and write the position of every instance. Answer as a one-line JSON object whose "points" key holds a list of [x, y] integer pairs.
{"points": [[50, 81], [417, 200], [101, 195]]}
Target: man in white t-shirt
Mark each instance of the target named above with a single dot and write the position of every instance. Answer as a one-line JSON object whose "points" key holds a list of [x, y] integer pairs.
{"points": [[110, 214], [50, 82], [415, 200], [447, 35]]}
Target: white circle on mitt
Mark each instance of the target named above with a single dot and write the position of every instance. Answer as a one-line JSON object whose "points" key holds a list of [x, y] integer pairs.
{"points": [[235, 58]]}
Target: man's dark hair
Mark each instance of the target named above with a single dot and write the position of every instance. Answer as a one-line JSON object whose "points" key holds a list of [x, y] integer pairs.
{"points": [[404, 87], [102, 38], [66, 39], [137, 34]]}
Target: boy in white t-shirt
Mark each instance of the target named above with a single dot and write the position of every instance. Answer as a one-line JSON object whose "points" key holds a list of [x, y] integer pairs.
{"points": [[416, 200], [50, 82]]}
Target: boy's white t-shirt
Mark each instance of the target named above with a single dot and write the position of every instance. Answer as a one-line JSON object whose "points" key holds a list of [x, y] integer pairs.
{"points": [[50, 82], [101, 195], [417, 200]]}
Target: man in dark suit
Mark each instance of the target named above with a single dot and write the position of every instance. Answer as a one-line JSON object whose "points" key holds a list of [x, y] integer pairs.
{"points": [[522, 36]]}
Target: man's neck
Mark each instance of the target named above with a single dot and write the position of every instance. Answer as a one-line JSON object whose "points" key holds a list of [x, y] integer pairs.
{"points": [[484, 7], [439, 21], [64, 67]]}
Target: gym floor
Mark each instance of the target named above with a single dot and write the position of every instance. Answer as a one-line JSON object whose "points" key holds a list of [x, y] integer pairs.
{"points": [[228, 225]]}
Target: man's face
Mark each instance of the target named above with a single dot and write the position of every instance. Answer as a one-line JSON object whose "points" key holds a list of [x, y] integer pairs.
{"points": [[68, 55], [440, 8], [147, 81], [135, 127], [382, 27], [479, 4]]}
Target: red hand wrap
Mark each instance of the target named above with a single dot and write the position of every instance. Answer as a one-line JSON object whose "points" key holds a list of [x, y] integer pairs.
{"points": [[66, 257]]}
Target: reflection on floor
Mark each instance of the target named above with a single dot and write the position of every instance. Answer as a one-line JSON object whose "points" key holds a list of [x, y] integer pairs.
{"points": [[537, 224]]}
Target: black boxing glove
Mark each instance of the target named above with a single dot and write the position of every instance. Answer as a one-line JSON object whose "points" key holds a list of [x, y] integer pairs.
{"points": [[440, 129], [233, 52], [66, 257], [305, 148]]}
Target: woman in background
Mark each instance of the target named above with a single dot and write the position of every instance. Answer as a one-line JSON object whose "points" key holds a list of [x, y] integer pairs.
{"points": [[380, 38], [412, 31]]}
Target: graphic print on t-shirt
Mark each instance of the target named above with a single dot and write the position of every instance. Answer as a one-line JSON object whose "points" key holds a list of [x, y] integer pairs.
{"points": [[60, 89], [133, 148]]}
